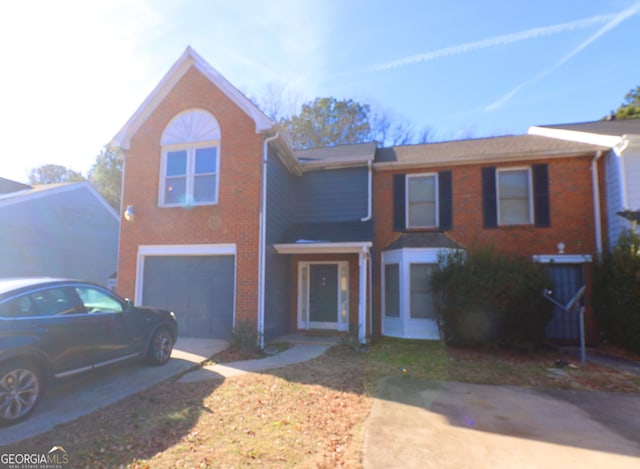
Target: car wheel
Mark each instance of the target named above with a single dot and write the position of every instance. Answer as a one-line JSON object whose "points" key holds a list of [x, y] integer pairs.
{"points": [[20, 389], [160, 347]]}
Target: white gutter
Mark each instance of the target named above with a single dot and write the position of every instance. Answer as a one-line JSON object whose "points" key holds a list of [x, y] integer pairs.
{"points": [[369, 191], [596, 201], [263, 240]]}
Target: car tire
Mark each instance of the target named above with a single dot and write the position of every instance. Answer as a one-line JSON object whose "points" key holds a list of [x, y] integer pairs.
{"points": [[160, 347], [21, 386]]}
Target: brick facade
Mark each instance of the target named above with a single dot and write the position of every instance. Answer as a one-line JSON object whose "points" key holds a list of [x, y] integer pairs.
{"points": [[235, 218], [571, 210]]}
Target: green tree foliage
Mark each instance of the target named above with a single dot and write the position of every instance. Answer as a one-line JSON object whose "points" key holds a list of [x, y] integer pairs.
{"points": [[106, 175], [53, 173], [326, 122], [617, 292], [630, 108], [490, 299]]}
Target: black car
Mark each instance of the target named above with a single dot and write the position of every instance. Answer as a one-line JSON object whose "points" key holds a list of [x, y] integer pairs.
{"points": [[52, 328]]}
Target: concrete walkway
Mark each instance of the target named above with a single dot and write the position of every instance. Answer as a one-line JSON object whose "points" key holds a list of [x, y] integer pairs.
{"points": [[422, 424], [296, 354]]}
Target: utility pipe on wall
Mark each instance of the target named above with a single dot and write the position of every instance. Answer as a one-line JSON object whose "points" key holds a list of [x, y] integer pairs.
{"points": [[263, 240]]}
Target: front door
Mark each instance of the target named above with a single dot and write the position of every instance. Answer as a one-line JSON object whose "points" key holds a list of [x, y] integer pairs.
{"points": [[566, 280], [323, 296]]}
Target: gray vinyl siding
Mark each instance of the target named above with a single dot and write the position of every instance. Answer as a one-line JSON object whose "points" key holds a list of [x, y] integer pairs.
{"points": [[332, 195], [64, 234], [281, 197]]}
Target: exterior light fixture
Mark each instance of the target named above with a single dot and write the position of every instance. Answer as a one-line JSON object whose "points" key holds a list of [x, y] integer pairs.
{"points": [[130, 213], [560, 246]]}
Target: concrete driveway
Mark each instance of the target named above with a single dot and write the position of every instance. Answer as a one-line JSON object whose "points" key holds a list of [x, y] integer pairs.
{"points": [[85, 393], [422, 424]]}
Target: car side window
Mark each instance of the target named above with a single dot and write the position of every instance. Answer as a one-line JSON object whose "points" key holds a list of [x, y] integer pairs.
{"points": [[45, 302], [16, 308], [96, 300]]}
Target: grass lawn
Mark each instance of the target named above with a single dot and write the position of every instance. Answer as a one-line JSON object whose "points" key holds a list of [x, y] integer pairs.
{"points": [[306, 415]]}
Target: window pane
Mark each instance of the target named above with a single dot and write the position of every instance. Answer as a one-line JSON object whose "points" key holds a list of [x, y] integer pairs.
{"points": [[514, 183], [177, 163], [391, 290], [514, 212], [421, 296], [204, 189], [98, 301], [206, 160], [422, 189], [422, 215], [175, 190], [514, 206]]}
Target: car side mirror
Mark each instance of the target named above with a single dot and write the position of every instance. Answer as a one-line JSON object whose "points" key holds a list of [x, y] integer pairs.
{"points": [[128, 303]]}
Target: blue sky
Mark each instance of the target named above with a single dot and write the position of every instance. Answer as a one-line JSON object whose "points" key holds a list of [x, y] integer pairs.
{"points": [[76, 70]]}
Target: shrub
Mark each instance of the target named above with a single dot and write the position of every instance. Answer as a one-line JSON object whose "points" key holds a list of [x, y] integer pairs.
{"points": [[245, 336], [485, 298], [616, 295]]}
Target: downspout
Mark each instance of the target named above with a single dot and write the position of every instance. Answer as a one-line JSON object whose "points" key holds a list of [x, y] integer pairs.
{"points": [[369, 192], [262, 247], [362, 294], [596, 201]]}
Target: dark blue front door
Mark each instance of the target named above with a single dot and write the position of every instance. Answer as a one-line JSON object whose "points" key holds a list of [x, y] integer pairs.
{"points": [[566, 280], [323, 293]]}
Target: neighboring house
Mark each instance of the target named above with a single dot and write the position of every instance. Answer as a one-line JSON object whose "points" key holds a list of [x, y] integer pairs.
{"points": [[57, 230], [526, 195], [622, 163], [232, 227]]}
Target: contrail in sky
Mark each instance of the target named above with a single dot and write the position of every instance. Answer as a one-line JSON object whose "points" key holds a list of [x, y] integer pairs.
{"points": [[614, 21], [497, 41]]}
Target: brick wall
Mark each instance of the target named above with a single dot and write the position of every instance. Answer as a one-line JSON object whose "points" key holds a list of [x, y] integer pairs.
{"points": [[235, 219]]}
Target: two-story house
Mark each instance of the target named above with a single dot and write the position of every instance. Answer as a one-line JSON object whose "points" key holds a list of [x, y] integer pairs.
{"points": [[233, 227]]}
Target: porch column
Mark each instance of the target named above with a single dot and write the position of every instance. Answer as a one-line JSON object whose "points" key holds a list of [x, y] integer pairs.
{"points": [[363, 259]]}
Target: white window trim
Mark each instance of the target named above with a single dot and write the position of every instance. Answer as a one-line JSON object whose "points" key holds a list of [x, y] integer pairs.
{"points": [[530, 194], [190, 148], [304, 322], [404, 326], [436, 200]]}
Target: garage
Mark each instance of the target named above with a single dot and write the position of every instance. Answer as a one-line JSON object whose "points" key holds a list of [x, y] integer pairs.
{"points": [[199, 289]]}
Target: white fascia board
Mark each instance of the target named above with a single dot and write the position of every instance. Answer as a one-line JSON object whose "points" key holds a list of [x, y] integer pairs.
{"points": [[188, 59], [577, 136], [323, 248], [562, 258]]}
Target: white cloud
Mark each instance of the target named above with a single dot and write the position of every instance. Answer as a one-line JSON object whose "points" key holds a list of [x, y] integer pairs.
{"points": [[613, 22], [494, 41]]}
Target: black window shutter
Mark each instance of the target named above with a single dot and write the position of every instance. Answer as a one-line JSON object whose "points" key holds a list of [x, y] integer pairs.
{"points": [[489, 198], [541, 202], [445, 200], [399, 223]]}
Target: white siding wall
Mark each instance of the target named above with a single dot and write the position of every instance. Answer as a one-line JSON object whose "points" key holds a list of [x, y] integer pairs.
{"points": [[614, 195], [632, 170]]}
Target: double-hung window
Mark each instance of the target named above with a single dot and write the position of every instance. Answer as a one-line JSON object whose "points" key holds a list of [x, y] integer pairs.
{"points": [[515, 199], [191, 176], [422, 201], [190, 173]]}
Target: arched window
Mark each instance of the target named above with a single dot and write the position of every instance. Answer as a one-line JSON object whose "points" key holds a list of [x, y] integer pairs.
{"points": [[190, 160]]}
